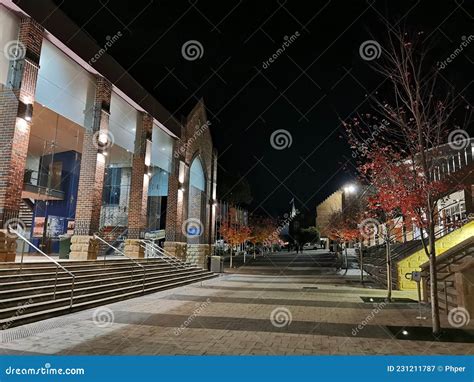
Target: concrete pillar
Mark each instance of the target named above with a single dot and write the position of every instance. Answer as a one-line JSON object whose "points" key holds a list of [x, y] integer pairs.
{"points": [[7, 246], [134, 249], [91, 178], [84, 247], [464, 284], [16, 107]]}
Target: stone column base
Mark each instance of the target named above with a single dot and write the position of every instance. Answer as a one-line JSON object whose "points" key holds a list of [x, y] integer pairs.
{"points": [[198, 253], [84, 247], [134, 249], [176, 249], [7, 247]]}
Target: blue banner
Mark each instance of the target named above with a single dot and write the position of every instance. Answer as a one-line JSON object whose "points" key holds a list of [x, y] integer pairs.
{"points": [[236, 368]]}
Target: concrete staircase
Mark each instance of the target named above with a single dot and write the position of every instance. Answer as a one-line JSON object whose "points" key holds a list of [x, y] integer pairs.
{"points": [[290, 263], [34, 293], [455, 267]]}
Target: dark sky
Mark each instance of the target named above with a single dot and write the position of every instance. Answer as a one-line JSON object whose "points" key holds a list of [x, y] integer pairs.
{"points": [[317, 80]]}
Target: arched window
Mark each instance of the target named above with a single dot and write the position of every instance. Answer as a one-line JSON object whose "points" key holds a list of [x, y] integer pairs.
{"points": [[196, 177]]}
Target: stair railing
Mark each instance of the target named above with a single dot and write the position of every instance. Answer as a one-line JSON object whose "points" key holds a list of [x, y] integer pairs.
{"points": [[55, 262], [444, 262], [169, 258], [128, 257]]}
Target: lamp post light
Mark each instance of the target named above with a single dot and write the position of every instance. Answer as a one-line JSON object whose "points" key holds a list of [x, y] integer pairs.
{"points": [[350, 189]]}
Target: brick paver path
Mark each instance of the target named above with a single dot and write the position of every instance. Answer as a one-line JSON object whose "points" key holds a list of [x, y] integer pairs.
{"points": [[245, 314]]}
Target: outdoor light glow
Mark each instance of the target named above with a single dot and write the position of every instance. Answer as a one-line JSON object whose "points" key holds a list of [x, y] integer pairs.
{"points": [[103, 138], [405, 333], [22, 124], [350, 189]]}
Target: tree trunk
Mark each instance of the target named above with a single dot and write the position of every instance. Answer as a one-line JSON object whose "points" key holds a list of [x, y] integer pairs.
{"points": [[361, 261], [389, 269], [230, 264], [433, 281], [346, 261]]}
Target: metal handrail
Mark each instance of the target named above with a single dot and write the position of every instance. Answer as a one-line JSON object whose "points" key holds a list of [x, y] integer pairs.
{"points": [[164, 257], [58, 265], [168, 257], [115, 229], [128, 257]]}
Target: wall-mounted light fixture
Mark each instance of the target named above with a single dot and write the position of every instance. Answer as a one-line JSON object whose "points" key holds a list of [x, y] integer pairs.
{"points": [[25, 111]]}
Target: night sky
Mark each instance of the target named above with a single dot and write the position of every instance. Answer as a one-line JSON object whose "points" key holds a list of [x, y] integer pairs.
{"points": [[319, 79]]}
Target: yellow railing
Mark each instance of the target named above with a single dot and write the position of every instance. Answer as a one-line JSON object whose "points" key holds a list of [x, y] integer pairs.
{"points": [[413, 262]]}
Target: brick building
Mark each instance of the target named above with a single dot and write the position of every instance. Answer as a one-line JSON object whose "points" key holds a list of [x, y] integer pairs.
{"points": [[86, 150]]}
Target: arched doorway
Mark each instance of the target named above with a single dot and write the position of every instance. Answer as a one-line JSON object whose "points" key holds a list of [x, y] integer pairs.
{"points": [[196, 203]]}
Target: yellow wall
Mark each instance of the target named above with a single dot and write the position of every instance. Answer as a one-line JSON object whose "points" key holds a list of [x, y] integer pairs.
{"points": [[331, 204], [413, 262]]}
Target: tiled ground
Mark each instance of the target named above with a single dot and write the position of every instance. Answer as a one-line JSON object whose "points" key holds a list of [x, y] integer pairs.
{"points": [[240, 314]]}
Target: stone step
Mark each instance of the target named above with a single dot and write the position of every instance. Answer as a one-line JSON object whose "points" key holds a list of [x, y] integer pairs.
{"points": [[50, 313], [65, 283], [77, 272], [20, 296], [49, 279], [88, 294]]}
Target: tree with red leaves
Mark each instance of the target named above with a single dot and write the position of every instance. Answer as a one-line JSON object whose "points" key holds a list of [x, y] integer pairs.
{"points": [[399, 146], [264, 231], [345, 225], [234, 230]]}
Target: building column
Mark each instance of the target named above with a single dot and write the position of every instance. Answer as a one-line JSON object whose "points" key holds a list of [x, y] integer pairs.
{"points": [[213, 200], [91, 177], [176, 206], [16, 109], [137, 204]]}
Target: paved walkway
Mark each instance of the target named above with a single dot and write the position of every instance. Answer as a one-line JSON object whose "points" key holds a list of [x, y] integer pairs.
{"points": [[240, 313]]}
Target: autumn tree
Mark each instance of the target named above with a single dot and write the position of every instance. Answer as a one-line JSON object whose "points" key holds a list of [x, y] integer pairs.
{"points": [[400, 143], [234, 230], [264, 231]]}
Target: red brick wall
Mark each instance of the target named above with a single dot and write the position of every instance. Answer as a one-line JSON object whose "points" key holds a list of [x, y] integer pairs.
{"points": [[139, 182], [91, 177], [14, 136], [195, 145]]}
